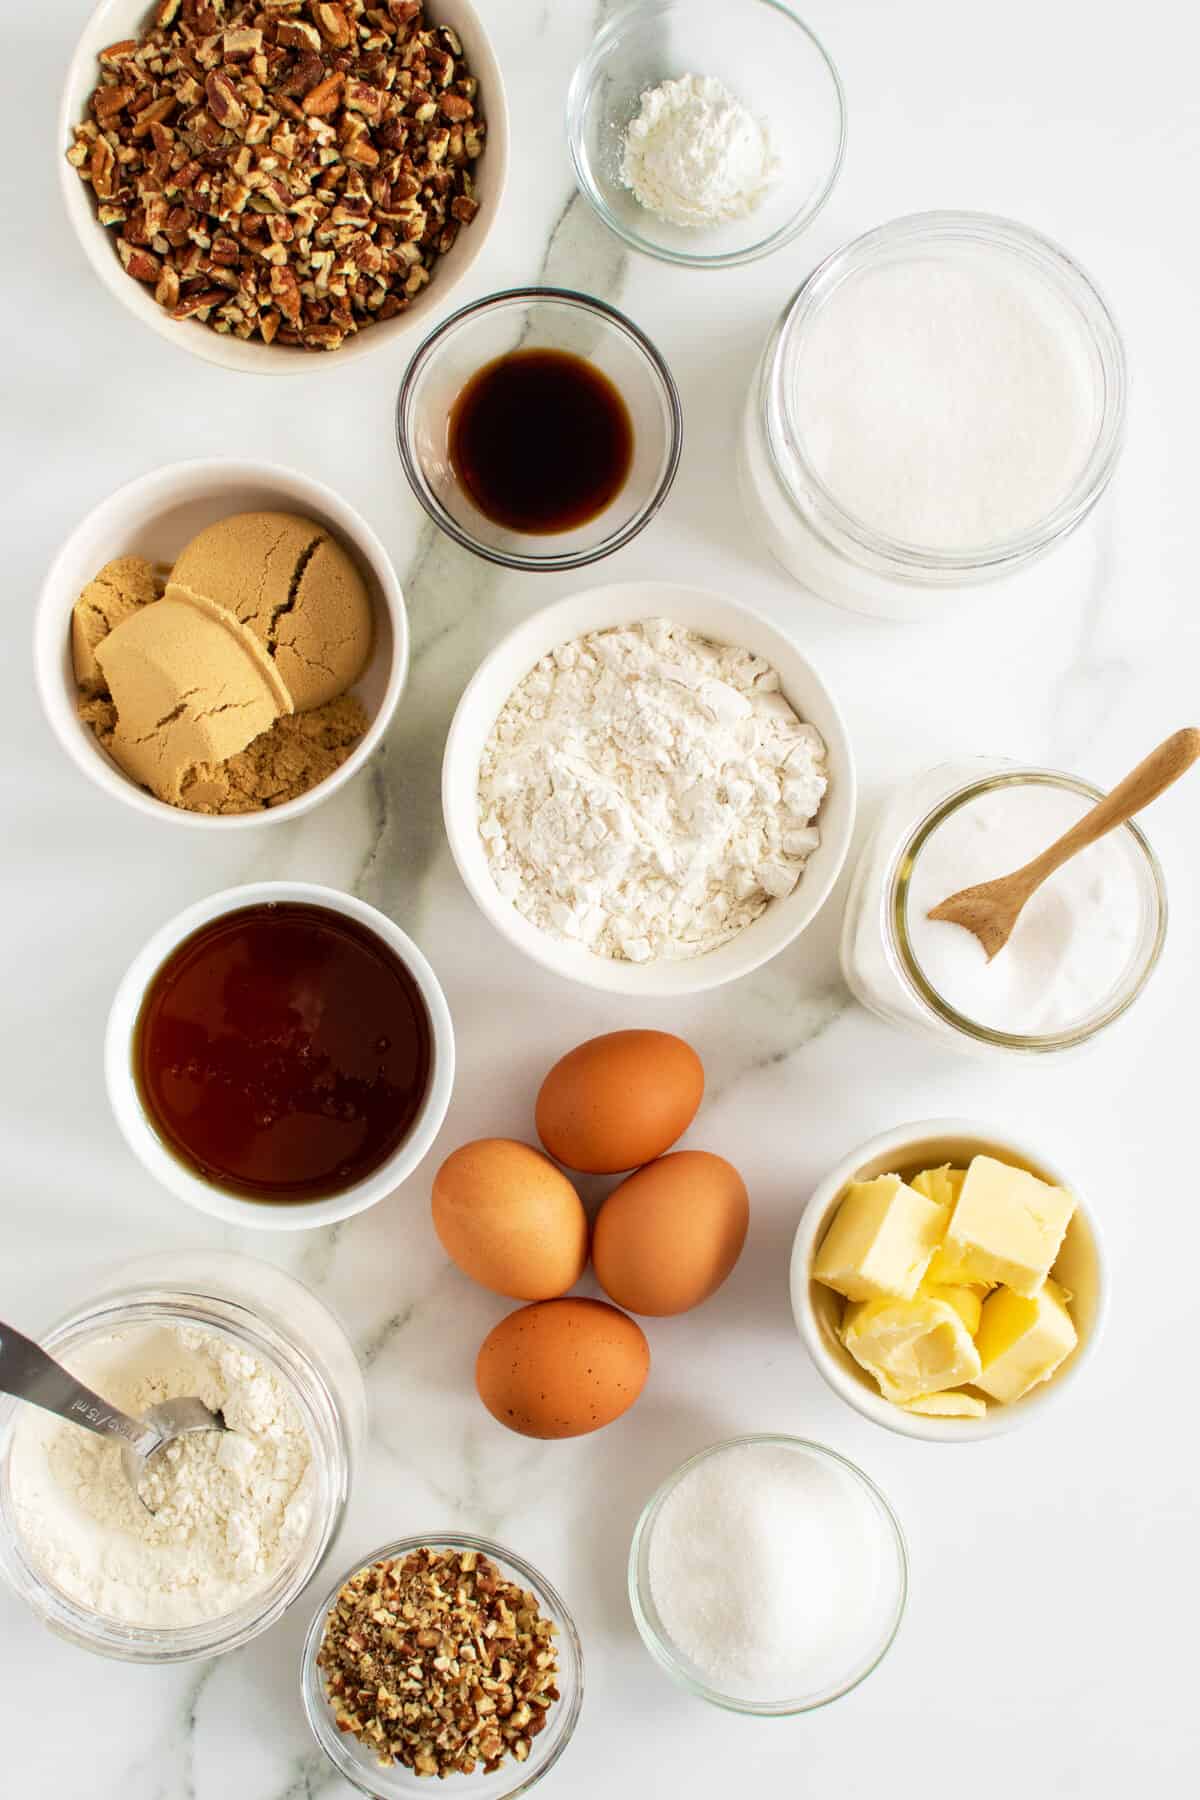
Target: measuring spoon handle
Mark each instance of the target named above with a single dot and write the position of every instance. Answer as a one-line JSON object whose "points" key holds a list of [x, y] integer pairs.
{"points": [[28, 1373]]}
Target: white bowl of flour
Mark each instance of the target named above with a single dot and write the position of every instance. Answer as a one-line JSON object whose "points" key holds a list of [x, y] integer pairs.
{"points": [[782, 809]]}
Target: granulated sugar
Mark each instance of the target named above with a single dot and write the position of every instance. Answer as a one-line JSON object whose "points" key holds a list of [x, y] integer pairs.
{"points": [[764, 1568], [945, 404], [1076, 938]]}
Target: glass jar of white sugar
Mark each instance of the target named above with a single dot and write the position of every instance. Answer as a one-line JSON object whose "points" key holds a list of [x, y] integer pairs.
{"points": [[1083, 948], [940, 404], [145, 1589]]}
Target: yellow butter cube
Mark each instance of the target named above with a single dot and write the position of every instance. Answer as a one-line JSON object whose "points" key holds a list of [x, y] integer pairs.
{"points": [[1022, 1341], [911, 1347], [951, 1404], [1007, 1226], [882, 1237], [966, 1301], [948, 1270], [943, 1185]]}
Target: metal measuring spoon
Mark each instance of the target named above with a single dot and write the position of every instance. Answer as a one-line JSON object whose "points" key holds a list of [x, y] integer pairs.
{"points": [[28, 1373]]}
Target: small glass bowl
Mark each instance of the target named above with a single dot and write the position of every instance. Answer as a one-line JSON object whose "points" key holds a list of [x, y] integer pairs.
{"points": [[769, 60], [543, 319], [891, 1595], [259, 1310], [392, 1781]]}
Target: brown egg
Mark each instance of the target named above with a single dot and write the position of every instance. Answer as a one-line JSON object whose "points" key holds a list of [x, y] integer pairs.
{"points": [[510, 1219], [619, 1101], [668, 1236], [562, 1368]]}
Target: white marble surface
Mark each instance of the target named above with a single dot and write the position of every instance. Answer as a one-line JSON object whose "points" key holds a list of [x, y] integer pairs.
{"points": [[1049, 1644]]}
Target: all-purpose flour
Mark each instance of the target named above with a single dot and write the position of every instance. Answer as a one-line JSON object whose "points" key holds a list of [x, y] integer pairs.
{"points": [[231, 1509], [646, 793]]}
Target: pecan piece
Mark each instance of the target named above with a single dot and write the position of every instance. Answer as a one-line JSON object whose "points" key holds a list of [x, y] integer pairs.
{"points": [[102, 169], [326, 97], [108, 101], [298, 34], [203, 301], [285, 291], [223, 102], [334, 26]]}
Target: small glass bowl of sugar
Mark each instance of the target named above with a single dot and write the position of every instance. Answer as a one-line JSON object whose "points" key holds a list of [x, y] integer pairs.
{"points": [[768, 1575], [706, 132]]}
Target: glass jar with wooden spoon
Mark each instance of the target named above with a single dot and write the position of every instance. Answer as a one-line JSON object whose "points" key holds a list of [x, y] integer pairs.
{"points": [[1081, 951]]}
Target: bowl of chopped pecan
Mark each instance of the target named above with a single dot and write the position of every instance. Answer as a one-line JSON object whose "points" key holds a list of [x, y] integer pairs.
{"points": [[263, 180], [443, 1656]]}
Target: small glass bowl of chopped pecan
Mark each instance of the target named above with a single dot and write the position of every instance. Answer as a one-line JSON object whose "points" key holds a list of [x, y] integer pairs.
{"points": [[444, 1656], [260, 181]]}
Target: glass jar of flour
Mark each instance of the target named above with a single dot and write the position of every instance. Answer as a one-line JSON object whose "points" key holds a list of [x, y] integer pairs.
{"points": [[940, 404], [244, 1519], [1082, 951]]}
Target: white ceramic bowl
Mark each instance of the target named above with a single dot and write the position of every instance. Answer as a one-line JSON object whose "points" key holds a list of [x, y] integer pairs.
{"points": [[114, 20], [715, 617], [905, 1150], [143, 1139], [154, 517]]}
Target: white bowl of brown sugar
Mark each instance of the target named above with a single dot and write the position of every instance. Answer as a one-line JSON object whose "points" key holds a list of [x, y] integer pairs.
{"points": [[308, 728]]}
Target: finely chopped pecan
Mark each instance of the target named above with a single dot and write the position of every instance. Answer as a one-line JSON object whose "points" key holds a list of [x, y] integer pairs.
{"points": [[288, 170], [439, 1663]]}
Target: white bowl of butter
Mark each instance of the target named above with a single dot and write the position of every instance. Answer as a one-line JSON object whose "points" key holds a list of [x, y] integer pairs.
{"points": [[995, 1287]]}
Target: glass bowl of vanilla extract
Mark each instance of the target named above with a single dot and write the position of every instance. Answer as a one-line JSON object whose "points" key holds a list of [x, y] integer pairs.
{"points": [[539, 428]]}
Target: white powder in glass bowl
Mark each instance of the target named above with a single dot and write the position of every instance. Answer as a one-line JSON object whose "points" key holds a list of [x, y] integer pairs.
{"points": [[232, 1509], [695, 156], [765, 1567]]}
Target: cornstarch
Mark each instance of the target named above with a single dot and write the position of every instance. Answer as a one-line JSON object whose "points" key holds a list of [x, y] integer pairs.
{"points": [[695, 156]]}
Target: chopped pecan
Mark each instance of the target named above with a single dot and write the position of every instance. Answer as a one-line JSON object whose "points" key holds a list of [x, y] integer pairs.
{"points": [[287, 169], [326, 97], [223, 102], [410, 1654], [334, 26]]}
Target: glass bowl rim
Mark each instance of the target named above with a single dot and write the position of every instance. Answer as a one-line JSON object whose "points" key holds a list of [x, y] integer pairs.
{"points": [[570, 298], [842, 530], [312, 1691], [159, 1644], [579, 89], [663, 1651], [895, 895]]}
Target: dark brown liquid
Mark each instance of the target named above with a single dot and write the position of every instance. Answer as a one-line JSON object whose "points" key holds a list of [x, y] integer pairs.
{"points": [[283, 1052], [541, 441]]}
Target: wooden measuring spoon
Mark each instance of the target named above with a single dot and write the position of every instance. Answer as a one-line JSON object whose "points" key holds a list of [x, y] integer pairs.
{"points": [[991, 909]]}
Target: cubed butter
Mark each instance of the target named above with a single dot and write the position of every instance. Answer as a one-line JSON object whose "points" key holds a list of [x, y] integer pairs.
{"points": [[943, 1185], [1022, 1341], [911, 1347], [947, 1270], [951, 1404], [1007, 1226], [966, 1301], [882, 1237]]}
